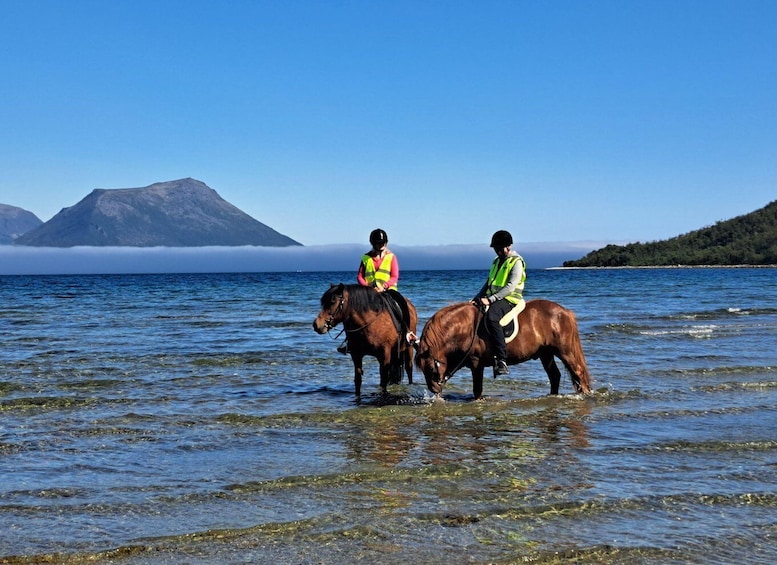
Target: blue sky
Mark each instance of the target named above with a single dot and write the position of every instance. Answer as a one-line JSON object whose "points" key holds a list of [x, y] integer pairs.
{"points": [[439, 121]]}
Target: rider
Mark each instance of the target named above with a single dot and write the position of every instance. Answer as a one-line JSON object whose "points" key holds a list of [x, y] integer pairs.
{"points": [[379, 269], [503, 290]]}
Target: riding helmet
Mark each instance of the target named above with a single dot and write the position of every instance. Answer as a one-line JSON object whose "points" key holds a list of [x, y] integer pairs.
{"points": [[501, 239], [378, 237]]}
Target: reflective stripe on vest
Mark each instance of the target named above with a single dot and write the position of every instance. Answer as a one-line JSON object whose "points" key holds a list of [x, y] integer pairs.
{"points": [[383, 274], [497, 278]]}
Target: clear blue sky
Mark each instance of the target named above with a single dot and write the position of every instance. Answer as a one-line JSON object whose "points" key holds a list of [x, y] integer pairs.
{"points": [[439, 121]]}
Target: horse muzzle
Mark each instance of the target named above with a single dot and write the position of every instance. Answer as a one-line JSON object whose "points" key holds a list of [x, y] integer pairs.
{"points": [[434, 386], [435, 377]]}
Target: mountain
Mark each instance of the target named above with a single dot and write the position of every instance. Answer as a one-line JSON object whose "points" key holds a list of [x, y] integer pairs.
{"points": [[179, 213], [15, 222], [750, 239]]}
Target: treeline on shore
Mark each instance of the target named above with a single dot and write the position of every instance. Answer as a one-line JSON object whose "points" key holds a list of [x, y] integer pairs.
{"points": [[750, 239]]}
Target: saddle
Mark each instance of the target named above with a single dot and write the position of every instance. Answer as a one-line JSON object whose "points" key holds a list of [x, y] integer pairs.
{"points": [[397, 307], [510, 321]]}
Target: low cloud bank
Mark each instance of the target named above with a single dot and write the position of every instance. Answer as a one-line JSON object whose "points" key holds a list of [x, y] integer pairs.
{"points": [[22, 260]]}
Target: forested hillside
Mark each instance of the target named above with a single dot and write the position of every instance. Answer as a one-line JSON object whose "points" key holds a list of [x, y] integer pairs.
{"points": [[745, 240]]}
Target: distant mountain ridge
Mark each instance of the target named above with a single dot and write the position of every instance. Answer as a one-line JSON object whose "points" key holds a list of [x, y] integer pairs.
{"points": [[750, 239], [179, 213], [15, 222]]}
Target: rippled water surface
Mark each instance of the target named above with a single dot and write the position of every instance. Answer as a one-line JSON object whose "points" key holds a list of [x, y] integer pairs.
{"points": [[199, 419]]}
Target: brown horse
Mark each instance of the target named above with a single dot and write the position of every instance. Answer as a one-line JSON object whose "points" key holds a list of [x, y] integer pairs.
{"points": [[454, 337], [370, 329]]}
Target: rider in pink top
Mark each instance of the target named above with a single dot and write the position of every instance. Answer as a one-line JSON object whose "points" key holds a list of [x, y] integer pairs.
{"points": [[372, 269]]}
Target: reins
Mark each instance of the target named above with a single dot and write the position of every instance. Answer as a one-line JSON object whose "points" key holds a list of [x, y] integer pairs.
{"points": [[478, 320]]}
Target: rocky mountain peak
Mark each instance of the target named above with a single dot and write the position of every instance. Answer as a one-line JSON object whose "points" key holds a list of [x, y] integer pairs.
{"points": [[178, 213]]}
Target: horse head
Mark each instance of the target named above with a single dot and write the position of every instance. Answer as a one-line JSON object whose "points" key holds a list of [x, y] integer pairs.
{"points": [[445, 344], [432, 364], [332, 308], [433, 350]]}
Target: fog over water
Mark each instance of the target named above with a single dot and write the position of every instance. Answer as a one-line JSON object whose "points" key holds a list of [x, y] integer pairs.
{"points": [[23, 260]]}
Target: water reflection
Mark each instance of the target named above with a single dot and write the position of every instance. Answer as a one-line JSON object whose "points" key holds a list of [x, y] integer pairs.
{"points": [[558, 425], [383, 437]]}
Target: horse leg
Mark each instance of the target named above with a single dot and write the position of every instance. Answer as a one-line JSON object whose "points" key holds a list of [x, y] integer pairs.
{"points": [[554, 375], [407, 356], [358, 373], [477, 382], [395, 368], [385, 372]]}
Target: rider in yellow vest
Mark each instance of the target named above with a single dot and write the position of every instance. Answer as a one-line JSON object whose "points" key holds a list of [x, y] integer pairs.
{"points": [[379, 267], [503, 290]]}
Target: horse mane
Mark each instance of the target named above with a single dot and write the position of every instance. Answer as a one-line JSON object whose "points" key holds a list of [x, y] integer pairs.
{"points": [[360, 298], [438, 329]]}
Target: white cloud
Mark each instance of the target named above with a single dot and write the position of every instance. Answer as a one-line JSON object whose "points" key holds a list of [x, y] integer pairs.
{"points": [[22, 260]]}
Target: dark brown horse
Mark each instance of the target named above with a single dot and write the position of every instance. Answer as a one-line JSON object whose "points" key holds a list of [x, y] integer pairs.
{"points": [[370, 329], [454, 337]]}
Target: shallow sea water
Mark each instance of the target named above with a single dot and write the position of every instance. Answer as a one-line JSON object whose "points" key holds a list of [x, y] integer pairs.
{"points": [[199, 419]]}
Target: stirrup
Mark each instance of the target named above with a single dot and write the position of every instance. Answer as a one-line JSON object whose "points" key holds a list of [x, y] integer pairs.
{"points": [[500, 368]]}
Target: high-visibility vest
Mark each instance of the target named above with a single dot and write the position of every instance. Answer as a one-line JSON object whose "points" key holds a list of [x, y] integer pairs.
{"points": [[382, 274], [497, 277]]}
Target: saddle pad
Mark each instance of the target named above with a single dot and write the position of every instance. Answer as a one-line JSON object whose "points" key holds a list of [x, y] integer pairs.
{"points": [[510, 321]]}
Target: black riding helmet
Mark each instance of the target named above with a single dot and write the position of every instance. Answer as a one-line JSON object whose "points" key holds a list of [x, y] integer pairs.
{"points": [[501, 239], [378, 237]]}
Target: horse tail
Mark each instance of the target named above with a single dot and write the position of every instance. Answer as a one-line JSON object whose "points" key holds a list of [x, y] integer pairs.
{"points": [[575, 362]]}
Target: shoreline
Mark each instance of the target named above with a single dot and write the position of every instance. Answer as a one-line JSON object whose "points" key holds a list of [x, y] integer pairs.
{"points": [[668, 267]]}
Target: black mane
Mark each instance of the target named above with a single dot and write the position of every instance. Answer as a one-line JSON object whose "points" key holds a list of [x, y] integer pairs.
{"points": [[360, 298]]}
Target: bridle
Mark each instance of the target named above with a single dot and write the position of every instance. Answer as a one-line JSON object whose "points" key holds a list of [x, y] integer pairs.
{"points": [[441, 380], [328, 323]]}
